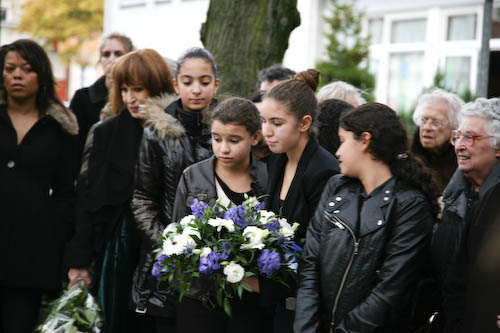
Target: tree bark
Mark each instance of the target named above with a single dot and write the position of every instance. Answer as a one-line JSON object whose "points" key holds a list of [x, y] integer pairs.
{"points": [[245, 36]]}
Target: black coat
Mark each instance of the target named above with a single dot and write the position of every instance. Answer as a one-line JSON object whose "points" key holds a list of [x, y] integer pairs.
{"points": [[478, 223], [87, 104], [316, 166], [166, 150], [361, 264], [36, 198]]}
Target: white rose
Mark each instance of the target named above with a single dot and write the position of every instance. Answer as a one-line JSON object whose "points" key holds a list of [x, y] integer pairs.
{"points": [[220, 223], [266, 216], [286, 229], [255, 237], [205, 251], [171, 228], [234, 272], [187, 220], [185, 241], [252, 202]]}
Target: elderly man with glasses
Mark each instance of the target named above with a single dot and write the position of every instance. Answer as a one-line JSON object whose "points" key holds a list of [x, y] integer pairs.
{"points": [[477, 147]]}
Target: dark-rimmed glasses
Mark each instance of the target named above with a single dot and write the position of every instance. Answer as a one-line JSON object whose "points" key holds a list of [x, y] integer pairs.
{"points": [[468, 137]]}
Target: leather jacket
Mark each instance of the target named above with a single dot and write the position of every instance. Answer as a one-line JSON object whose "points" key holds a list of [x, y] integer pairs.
{"points": [[363, 257], [167, 148], [198, 181]]}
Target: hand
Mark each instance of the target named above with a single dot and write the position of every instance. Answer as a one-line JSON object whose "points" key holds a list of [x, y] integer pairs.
{"points": [[498, 321], [77, 274], [253, 282]]}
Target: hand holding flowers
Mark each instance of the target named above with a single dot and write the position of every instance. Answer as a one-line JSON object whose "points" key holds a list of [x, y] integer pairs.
{"points": [[227, 246]]}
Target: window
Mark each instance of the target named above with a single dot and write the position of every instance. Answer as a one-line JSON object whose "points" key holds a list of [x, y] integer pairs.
{"points": [[375, 28], [495, 26], [405, 79], [3, 13], [129, 3], [457, 74], [461, 27], [408, 31]]}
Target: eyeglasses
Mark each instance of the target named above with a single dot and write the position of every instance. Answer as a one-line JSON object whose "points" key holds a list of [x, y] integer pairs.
{"points": [[432, 122], [468, 138]]}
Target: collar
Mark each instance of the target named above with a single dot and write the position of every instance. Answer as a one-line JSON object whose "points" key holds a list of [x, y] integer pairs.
{"points": [[98, 92]]}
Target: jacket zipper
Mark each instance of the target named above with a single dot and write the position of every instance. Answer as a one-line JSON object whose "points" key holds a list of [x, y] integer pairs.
{"points": [[341, 225]]}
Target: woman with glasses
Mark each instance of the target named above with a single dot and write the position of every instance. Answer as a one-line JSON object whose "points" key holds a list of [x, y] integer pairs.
{"points": [[477, 147], [88, 102], [436, 116]]}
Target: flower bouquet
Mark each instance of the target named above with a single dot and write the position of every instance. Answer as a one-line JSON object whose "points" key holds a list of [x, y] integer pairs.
{"points": [[226, 245], [76, 311]]}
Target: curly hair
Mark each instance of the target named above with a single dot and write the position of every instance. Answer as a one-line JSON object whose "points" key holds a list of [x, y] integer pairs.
{"points": [[438, 95], [489, 109], [389, 144]]}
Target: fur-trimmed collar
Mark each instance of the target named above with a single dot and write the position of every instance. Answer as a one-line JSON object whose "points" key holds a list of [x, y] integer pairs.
{"points": [[155, 117], [65, 117]]}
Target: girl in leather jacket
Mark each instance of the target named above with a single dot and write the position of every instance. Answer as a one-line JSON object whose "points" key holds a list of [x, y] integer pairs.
{"points": [[367, 243], [164, 153], [227, 176]]}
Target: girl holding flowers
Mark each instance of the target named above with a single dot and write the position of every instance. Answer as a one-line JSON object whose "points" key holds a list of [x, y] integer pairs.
{"points": [[228, 176]]}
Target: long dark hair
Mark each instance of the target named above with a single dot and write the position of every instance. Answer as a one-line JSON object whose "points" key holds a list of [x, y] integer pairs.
{"points": [[389, 144], [35, 55]]}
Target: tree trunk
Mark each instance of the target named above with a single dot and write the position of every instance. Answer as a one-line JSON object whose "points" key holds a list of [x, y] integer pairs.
{"points": [[245, 36]]}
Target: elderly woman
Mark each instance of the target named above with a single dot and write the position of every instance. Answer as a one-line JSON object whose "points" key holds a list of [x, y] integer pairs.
{"points": [[436, 115], [343, 91], [37, 171], [477, 146]]}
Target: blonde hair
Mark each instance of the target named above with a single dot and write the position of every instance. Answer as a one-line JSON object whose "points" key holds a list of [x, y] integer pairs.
{"points": [[144, 67]]}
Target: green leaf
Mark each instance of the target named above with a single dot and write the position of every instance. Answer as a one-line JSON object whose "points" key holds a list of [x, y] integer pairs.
{"points": [[240, 291], [219, 296], [245, 286], [227, 307]]}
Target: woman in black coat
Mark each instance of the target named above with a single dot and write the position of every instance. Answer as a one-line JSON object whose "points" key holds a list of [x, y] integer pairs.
{"points": [[367, 243], [37, 171], [298, 171], [107, 241], [88, 102]]}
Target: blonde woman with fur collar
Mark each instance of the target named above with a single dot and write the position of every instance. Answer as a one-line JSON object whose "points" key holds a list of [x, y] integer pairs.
{"points": [[37, 170], [107, 245]]}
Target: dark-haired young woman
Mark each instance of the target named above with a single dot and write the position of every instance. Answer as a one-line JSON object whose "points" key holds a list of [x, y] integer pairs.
{"points": [[366, 244], [298, 170], [37, 169]]}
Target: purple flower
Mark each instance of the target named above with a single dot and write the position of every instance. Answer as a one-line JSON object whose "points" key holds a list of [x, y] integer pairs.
{"points": [[273, 226], [236, 214], [198, 207], [227, 247], [210, 263], [159, 270], [269, 262], [296, 247], [260, 206]]}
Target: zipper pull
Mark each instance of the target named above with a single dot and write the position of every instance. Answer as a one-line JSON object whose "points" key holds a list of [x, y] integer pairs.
{"points": [[356, 248], [339, 225]]}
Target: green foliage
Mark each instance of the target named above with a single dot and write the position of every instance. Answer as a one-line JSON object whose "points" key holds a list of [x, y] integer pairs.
{"points": [[347, 50], [437, 82]]}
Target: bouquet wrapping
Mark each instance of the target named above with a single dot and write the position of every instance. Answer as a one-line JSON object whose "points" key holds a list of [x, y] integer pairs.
{"points": [[76, 311], [224, 246]]}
